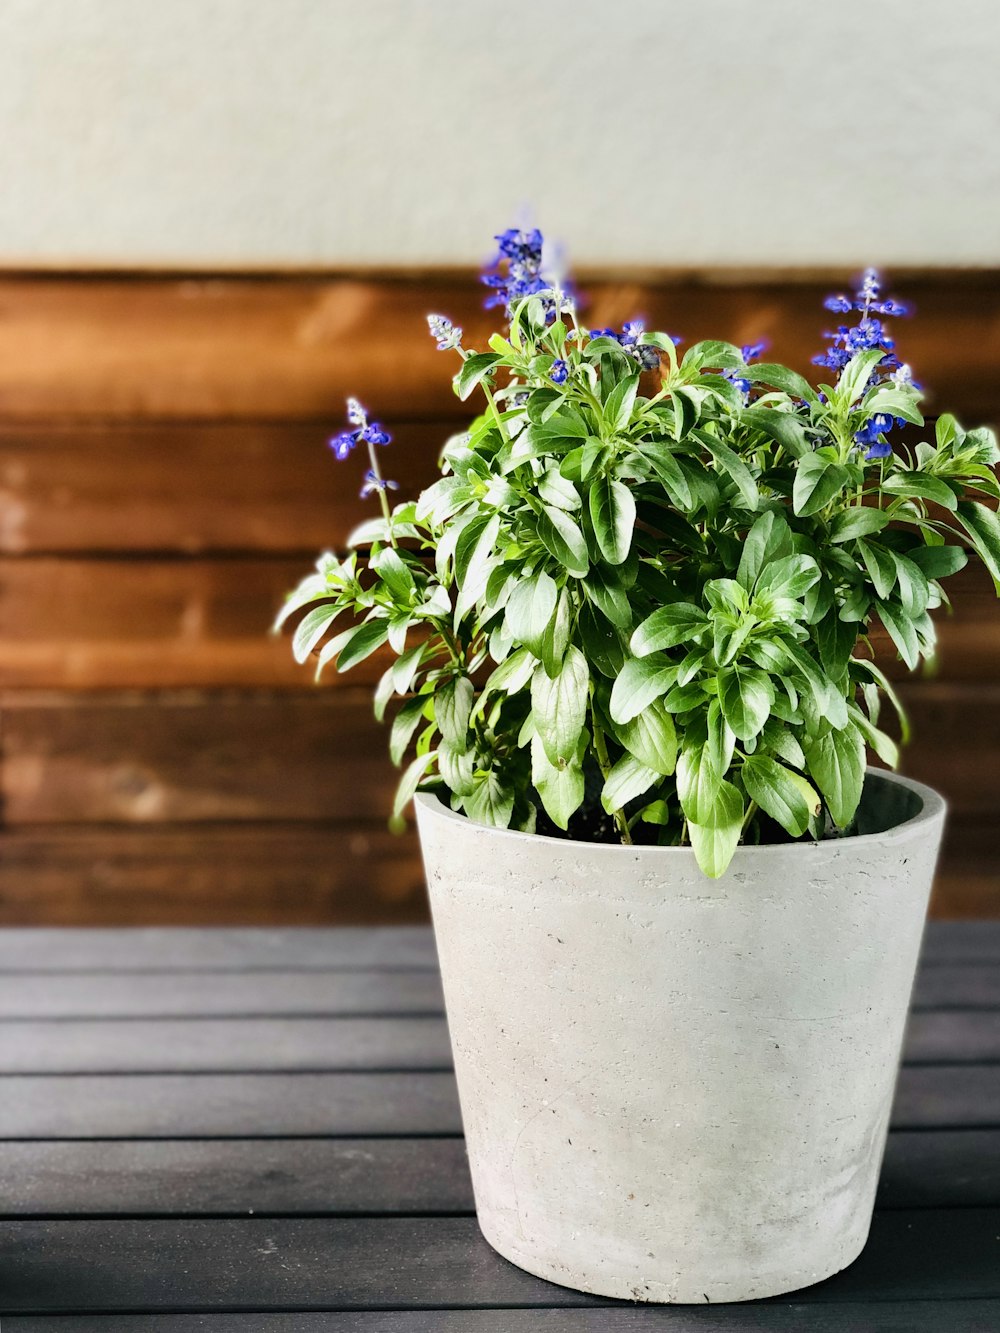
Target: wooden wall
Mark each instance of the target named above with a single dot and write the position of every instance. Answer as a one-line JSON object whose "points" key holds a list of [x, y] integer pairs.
{"points": [[164, 479]]}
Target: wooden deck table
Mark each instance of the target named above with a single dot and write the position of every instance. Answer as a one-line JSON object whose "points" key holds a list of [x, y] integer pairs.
{"points": [[247, 1131]]}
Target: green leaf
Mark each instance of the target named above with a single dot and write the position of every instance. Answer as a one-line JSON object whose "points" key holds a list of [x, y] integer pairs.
{"points": [[362, 644], [714, 842], [456, 765], [627, 780], [651, 738], [698, 783], [678, 622], [734, 467], [559, 705], [491, 802], [791, 576], [474, 561], [530, 609], [856, 375], [410, 780], [612, 509], [983, 527], [394, 574], [902, 632], [561, 789], [606, 588], [783, 795], [860, 521], [602, 642], [311, 629], [780, 377], [880, 566], [837, 765], [712, 352], [475, 368], [452, 709], [769, 539], [817, 481], [641, 681], [939, 562], [619, 404], [745, 695], [563, 539], [669, 471], [785, 428], [919, 484], [404, 724], [554, 641], [900, 403]]}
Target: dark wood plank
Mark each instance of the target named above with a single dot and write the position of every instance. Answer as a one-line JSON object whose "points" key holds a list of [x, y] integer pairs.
{"points": [[209, 875], [219, 994], [952, 945], [157, 346], [113, 1106], [331, 994], [231, 1045], [296, 1177], [302, 1177], [957, 985], [193, 486], [962, 941], [179, 949], [952, 1036], [402, 1262], [947, 1096], [221, 1045], [316, 755], [964, 1316], [170, 1106], [941, 1168]]}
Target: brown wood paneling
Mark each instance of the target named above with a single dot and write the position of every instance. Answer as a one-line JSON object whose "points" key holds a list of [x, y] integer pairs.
{"points": [[234, 755], [151, 623], [192, 487], [149, 346], [228, 874], [167, 758], [164, 481], [142, 623]]}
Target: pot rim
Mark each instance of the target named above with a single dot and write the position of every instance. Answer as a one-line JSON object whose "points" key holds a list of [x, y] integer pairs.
{"points": [[933, 807]]}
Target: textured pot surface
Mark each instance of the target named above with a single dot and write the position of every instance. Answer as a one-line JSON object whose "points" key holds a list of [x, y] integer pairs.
{"points": [[675, 1088]]}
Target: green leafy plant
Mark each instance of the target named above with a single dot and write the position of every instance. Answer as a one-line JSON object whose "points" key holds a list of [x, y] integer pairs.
{"points": [[637, 603]]}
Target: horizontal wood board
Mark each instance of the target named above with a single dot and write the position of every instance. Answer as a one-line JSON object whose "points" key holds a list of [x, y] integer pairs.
{"points": [[343, 1200]]}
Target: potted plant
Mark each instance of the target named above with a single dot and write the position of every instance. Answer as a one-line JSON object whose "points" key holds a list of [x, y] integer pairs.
{"points": [[677, 917]]}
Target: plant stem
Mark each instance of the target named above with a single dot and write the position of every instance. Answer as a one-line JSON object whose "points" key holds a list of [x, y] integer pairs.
{"points": [[383, 499], [604, 763]]}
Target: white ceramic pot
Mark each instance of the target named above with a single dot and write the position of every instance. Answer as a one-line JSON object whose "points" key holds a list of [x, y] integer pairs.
{"points": [[676, 1088]]}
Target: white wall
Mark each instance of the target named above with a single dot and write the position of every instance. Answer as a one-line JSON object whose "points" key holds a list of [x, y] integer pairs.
{"points": [[301, 132]]}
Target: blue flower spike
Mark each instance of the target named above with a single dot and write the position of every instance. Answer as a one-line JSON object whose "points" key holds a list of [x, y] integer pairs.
{"points": [[559, 373], [446, 334]]}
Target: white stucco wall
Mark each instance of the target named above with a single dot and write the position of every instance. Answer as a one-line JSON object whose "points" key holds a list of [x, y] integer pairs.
{"points": [[668, 132]]}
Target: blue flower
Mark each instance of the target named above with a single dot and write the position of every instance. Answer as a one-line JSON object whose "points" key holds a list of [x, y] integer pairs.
{"points": [[604, 333], [632, 331], [749, 352], [374, 484], [560, 372], [516, 271], [868, 333], [871, 436], [374, 434], [366, 432], [446, 334], [343, 443]]}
